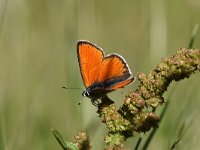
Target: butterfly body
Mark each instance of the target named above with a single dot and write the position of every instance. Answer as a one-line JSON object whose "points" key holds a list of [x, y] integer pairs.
{"points": [[101, 74]]}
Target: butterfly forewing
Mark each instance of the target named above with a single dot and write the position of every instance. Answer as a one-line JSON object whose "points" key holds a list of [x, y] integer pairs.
{"points": [[90, 59]]}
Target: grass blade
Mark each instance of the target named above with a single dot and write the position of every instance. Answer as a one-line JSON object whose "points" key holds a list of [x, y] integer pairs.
{"points": [[193, 36], [63, 144], [138, 143]]}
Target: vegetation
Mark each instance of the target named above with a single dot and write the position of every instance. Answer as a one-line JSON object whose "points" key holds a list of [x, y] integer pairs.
{"points": [[38, 57]]}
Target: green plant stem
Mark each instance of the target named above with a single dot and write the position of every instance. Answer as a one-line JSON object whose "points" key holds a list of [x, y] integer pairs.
{"points": [[193, 36], [138, 143], [149, 139]]}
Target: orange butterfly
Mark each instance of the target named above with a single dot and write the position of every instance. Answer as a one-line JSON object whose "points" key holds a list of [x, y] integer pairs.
{"points": [[101, 74]]}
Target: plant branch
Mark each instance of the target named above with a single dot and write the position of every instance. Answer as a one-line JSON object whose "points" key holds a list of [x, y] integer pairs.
{"points": [[136, 114]]}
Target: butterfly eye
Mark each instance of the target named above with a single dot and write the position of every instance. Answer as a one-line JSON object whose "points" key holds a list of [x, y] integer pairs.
{"points": [[85, 93]]}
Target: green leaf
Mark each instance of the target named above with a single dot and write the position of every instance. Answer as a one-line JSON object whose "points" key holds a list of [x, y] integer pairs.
{"points": [[64, 144]]}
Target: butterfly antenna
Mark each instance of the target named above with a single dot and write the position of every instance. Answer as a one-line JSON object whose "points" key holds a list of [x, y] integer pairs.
{"points": [[67, 88]]}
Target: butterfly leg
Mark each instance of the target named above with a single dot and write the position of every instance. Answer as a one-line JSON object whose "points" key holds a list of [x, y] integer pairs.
{"points": [[104, 101], [95, 102]]}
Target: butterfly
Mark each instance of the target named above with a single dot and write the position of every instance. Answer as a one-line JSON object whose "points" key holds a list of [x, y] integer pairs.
{"points": [[101, 74]]}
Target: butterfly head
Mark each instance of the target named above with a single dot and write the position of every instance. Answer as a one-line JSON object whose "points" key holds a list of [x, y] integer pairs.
{"points": [[85, 94], [94, 92]]}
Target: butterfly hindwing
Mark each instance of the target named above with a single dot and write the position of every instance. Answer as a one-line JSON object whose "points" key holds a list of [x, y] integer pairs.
{"points": [[114, 72]]}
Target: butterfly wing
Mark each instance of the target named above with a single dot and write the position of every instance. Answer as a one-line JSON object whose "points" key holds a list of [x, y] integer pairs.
{"points": [[90, 58], [114, 72], [102, 74]]}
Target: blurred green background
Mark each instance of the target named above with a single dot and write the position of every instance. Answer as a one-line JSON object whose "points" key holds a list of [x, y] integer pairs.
{"points": [[38, 56]]}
